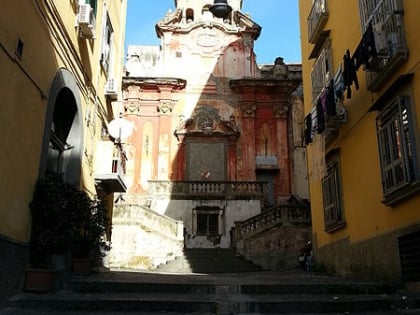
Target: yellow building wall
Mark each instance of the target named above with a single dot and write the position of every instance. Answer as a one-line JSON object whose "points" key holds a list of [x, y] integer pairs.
{"points": [[365, 215], [50, 42]]}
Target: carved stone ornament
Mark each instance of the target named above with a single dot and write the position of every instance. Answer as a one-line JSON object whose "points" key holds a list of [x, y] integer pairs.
{"points": [[205, 117], [132, 108], [249, 109], [165, 107], [207, 39], [281, 111]]}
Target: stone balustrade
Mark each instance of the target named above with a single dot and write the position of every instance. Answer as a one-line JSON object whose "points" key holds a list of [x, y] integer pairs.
{"points": [[206, 190], [288, 214]]}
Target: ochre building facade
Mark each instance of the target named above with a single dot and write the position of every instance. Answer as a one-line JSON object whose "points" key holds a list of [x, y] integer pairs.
{"points": [[58, 61], [361, 88]]}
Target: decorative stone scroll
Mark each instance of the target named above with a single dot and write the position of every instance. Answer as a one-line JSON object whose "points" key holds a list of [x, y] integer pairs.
{"points": [[248, 109], [165, 106]]}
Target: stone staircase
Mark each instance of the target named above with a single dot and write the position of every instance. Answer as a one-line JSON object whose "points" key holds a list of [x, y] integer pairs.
{"points": [[214, 260], [235, 293], [142, 239]]}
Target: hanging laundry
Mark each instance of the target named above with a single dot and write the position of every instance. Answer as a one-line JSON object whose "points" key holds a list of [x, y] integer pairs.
{"points": [[308, 129], [339, 88], [323, 98], [366, 50], [349, 73], [320, 116], [330, 102]]}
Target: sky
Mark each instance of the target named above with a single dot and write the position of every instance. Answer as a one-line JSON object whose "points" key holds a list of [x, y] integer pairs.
{"points": [[279, 20]]}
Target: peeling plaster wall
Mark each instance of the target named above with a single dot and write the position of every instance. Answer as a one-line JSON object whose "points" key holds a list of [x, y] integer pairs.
{"points": [[277, 248], [234, 210]]}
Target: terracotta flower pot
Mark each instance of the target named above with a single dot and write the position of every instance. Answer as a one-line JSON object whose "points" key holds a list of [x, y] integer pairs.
{"points": [[82, 266], [39, 280]]}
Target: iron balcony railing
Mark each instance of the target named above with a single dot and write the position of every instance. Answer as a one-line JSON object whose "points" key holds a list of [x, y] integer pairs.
{"points": [[321, 72], [228, 190], [386, 19], [113, 178], [317, 20]]}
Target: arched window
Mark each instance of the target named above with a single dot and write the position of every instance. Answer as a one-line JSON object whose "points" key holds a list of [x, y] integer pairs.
{"points": [[205, 12], [189, 13]]}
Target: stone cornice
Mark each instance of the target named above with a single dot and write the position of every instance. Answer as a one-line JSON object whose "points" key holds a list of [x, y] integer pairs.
{"points": [[176, 83], [264, 83]]}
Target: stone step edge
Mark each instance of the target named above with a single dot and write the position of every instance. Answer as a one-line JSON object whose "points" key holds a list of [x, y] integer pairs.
{"points": [[261, 289], [66, 296], [188, 302]]}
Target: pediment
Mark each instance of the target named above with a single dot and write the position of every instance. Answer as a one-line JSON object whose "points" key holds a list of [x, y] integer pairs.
{"points": [[206, 122]]}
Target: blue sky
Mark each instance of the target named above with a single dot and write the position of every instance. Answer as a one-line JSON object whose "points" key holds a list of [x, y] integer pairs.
{"points": [[279, 20]]}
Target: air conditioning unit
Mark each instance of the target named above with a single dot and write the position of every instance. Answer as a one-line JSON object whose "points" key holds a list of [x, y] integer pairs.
{"points": [[86, 21], [111, 88]]}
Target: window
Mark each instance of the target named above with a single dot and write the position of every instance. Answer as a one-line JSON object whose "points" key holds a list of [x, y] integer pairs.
{"points": [[208, 224], [322, 70], [207, 220], [331, 193], [93, 5], [107, 41], [397, 152], [189, 15]]}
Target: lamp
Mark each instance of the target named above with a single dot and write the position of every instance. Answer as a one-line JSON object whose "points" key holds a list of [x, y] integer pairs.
{"points": [[221, 9]]}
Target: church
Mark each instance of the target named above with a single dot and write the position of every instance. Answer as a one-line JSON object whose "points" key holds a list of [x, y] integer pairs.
{"points": [[216, 138]]}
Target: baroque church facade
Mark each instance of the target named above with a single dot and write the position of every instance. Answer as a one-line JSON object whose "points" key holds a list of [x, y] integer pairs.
{"points": [[216, 138]]}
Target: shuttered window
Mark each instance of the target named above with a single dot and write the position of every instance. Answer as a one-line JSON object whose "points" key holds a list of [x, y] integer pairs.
{"points": [[331, 193], [399, 166]]}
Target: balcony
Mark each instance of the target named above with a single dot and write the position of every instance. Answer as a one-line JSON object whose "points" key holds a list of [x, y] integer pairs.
{"points": [[321, 72], [384, 26], [389, 58], [209, 190], [112, 179], [317, 20]]}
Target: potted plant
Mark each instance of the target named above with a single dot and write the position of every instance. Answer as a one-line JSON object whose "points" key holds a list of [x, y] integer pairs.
{"points": [[54, 225], [65, 221], [90, 242]]}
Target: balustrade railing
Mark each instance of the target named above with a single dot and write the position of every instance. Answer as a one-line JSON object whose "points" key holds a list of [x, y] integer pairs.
{"points": [[317, 18], [209, 189], [386, 19], [292, 214]]}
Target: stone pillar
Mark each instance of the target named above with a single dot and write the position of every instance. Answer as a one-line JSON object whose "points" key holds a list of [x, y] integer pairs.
{"points": [[232, 161], [180, 160], [248, 140], [281, 110], [164, 167]]}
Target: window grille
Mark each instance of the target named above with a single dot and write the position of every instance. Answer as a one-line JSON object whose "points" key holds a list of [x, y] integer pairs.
{"points": [[409, 246], [208, 224], [322, 71], [386, 18]]}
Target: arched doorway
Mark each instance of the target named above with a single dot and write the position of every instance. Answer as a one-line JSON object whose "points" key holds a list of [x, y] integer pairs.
{"points": [[63, 132]]}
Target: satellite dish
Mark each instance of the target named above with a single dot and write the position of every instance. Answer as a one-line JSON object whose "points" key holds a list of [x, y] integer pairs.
{"points": [[120, 128]]}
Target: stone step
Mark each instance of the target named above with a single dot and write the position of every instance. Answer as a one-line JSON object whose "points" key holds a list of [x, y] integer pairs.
{"points": [[205, 303], [208, 261], [238, 293]]}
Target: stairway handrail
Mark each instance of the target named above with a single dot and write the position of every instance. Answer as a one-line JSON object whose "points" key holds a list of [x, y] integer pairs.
{"points": [[292, 214]]}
